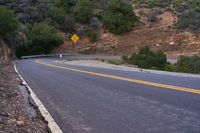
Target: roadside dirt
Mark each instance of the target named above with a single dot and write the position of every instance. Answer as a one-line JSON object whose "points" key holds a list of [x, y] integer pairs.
{"points": [[14, 115]]}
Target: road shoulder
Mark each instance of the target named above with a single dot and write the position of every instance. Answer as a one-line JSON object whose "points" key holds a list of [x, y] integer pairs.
{"points": [[17, 114], [52, 125]]}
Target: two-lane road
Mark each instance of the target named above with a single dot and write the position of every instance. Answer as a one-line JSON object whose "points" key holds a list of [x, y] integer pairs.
{"points": [[96, 100]]}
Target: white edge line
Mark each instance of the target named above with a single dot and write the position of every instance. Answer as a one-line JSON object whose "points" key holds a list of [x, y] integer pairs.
{"points": [[47, 116]]}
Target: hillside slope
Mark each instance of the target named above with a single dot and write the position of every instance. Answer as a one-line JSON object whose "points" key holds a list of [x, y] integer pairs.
{"points": [[168, 25], [157, 29]]}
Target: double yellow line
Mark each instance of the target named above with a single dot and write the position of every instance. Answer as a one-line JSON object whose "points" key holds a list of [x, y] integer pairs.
{"points": [[171, 87]]}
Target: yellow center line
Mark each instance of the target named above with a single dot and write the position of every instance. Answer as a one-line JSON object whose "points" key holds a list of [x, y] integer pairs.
{"points": [[172, 87]]}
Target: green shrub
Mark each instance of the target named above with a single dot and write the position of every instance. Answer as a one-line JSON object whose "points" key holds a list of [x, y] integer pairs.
{"points": [[22, 51], [115, 62], [57, 16], [152, 2], [83, 10], [189, 20], [41, 39], [195, 4], [125, 58], [8, 21], [92, 35], [177, 3], [170, 67], [188, 64], [189, 15], [147, 59], [62, 4], [148, 2], [119, 17]]}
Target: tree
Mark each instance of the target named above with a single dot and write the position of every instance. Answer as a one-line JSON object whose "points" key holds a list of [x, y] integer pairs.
{"points": [[42, 39], [57, 16], [188, 64], [8, 22], [148, 59], [62, 4], [119, 17], [83, 10]]}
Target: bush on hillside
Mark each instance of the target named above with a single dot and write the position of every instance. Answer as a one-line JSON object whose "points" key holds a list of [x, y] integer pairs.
{"points": [[62, 4], [57, 16], [92, 35], [83, 10], [189, 17], [148, 59], [188, 64], [8, 22], [189, 20], [22, 51], [119, 17], [41, 39], [195, 4], [159, 3]]}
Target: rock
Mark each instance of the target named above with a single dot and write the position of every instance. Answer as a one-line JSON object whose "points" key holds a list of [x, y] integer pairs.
{"points": [[2, 89], [1, 120], [81, 30], [152, 17], [12, 95], [157, 45], [95, 23], [11, 121], [171, 43], [20, 121], [4, 114]]}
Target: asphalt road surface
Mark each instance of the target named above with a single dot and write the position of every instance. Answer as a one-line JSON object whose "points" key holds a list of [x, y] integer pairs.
{"points": [[97, 100]]}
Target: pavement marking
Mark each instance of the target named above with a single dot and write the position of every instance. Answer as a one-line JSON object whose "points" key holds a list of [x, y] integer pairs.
{"points": [[47, 116], [172, 87]]}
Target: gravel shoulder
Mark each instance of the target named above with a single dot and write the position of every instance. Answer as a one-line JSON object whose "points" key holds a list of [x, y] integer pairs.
{"points": [[17, 114]]}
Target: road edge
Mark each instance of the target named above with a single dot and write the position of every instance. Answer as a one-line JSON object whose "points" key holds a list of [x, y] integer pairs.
{"points": [[53, 126], [130, 69]]}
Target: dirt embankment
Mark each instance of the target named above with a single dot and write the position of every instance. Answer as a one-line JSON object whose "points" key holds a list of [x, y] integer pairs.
{"points": [[5, 53], [17, 115]]}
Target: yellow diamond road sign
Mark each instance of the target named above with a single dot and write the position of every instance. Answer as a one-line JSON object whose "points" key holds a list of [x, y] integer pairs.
{"points": [[75, 38]]}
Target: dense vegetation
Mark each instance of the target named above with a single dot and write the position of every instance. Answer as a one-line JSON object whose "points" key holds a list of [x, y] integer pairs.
{"points": [[119, 17], [145, 58], [189, 17], [188, 12], [8, 22], [41, 39], [188, 64], [86, 18], [83, 11]]}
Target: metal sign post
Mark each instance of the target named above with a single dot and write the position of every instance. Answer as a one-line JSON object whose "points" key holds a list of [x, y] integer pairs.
{"points": [[75, 39]]}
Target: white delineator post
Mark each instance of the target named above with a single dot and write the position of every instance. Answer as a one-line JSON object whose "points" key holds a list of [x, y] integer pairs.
{"points": [[60, 55]]}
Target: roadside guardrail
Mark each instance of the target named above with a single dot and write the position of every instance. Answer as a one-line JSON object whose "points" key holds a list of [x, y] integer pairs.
{"points": [[49, 55]]}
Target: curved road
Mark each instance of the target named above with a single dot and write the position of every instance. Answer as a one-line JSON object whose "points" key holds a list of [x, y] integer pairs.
{"points": [[97, 100]]}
